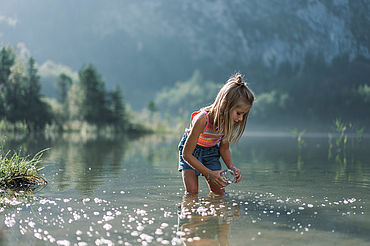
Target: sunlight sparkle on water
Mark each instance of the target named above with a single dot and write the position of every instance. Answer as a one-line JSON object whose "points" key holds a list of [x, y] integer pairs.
{"points": [[109, 222]]}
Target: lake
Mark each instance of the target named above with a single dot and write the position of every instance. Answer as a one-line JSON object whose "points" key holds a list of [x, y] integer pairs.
{"points": [[124, 191]]}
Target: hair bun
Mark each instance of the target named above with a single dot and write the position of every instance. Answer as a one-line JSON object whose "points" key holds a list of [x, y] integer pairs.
{"points": [[238, 78]]}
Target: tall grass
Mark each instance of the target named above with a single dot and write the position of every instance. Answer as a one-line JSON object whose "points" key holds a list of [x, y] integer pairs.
{"points": [[17, 171], [300, 142]]}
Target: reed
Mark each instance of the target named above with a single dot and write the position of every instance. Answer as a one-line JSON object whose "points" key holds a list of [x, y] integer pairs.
{"points": [[17, 171], [299, 134]]}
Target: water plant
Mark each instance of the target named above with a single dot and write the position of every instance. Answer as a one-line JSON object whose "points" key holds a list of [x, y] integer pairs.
{"points": [[343, 129], [17, 171], [299, 135], [300, 143], [341, 140]]}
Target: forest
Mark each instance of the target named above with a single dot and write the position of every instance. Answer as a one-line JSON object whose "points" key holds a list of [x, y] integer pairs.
{"points": [[86, 101], [313, 96], [308, 62]]}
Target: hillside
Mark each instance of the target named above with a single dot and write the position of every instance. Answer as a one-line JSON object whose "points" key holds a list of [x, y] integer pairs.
{"points": [[147, 45]]}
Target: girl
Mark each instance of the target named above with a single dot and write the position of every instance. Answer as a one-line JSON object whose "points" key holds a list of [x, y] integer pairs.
{"points": [[210, 132]]}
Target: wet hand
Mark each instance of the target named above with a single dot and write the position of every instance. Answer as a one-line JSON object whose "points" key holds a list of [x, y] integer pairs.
{"points": [[215, 178], [238, 175]]}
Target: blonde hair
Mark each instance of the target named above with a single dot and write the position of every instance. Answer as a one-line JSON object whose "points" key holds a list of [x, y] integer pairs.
{"points": [[233, 94]]}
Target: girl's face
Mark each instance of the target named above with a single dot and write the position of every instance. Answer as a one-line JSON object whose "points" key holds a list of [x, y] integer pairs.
{"points": [[238, 113]]}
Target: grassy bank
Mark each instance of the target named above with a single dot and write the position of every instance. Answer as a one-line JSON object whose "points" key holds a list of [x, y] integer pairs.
{"points": [[17, 171]]}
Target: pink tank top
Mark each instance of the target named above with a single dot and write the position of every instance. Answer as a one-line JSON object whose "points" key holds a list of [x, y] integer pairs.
{"points": [[209, 137]]}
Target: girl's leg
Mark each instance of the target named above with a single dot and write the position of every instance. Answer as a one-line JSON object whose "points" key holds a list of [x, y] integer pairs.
{"points": [[215, 189], [190, 181]]}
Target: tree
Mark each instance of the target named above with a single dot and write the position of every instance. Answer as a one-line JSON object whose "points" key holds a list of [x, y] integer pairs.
{"points": [[64, 84], [22, 98], [152, 107], [7, 59], [14, 94], [37, 114], [93, 106], [118, 108]]}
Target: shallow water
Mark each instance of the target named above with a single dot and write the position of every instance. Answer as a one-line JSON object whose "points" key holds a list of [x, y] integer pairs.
{"points": [[129, 192]]}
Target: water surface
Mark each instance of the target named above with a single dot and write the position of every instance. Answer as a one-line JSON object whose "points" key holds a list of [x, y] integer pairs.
{"points": [[120, 191]]}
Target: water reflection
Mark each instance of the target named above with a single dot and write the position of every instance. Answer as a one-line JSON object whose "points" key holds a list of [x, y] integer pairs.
{"points": [[119, 190], [206, 221], [27, 144], [294, 161], [83, 164]]}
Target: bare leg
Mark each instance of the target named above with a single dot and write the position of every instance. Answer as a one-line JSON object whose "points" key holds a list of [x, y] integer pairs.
{"points": [[215, 189], [190, 181]]}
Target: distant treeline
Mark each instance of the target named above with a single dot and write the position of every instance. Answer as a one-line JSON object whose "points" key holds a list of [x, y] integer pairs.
{"points": [[85, 100], [313, 94]]}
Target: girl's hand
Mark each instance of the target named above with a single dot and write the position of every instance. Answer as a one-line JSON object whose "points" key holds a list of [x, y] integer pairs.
{"points": [[215, 178], [238, 175]]}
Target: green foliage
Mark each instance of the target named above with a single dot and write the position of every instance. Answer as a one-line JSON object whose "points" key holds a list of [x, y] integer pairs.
{"points": [[38, 113], [85, 101], [85, 105], [20, 96], [187, 96], [364, 92], [7, 59], [97, 106], [300, 143], [18, 127], [93, 106], [152, 107], [17, 171], [344, 130], [309, 95], [320, 94], [64, 84], [119, 116], [342, 138], [268, 103]]}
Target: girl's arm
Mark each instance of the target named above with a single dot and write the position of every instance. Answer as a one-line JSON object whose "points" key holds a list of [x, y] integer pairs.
{"points": [[189, 146], [226, 157]]}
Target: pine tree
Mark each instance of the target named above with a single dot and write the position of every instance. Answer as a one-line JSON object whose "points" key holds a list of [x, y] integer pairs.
{"points": [[94, 106], [64, 84], [118, 108], [37, 114], [14, 97], [7, 59]]}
